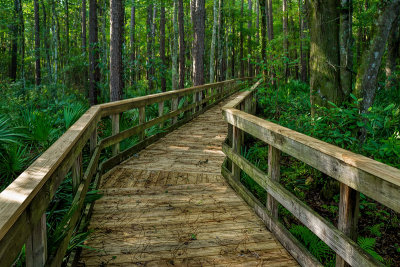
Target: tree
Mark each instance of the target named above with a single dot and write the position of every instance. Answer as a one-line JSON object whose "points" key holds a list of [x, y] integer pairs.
{"points": [[367, 75], [116, 39], [324, 54], [150, 37], [213, 42], [346, 46], [198, 20], [132, 42], [241, 53], [285, 37], [94, 69], [174, 50], [162, 47], [182, 47], [83, 25], [393, 54], [263, 8], [14, 43], [37, 43], [249, 26], [303, 54]]}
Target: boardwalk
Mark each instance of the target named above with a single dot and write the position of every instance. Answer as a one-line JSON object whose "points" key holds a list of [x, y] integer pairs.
{"points": [[169, 206]]}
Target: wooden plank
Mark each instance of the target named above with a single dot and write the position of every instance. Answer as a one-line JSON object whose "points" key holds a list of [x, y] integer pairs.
{"points": [[77, 170], [294, 247], [237, 136], [242, 96], [372, 178], [174, 106], [115, 131], [161, 112], [335, 239], [274, 173], [36, 245], [348, 216], [93, 141], [142, 120]]}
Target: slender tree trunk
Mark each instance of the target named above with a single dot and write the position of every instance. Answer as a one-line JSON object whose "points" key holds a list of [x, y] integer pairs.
{"points": [[162, 47], [285, 37], [198, 19], [258, 34], [14, 43], [249, 25], [37, 43], [22, 25], [116, 36], [213, 42], [174, 52], [94, 70], [346, 46], [392, 54], [149, 46], [182, 46], [303, 54], [83, 26], [270, 23], [67, 27], [46, 40], [263, 9], [241, 40], [367, 75], [233, 44], [56, 40], [324, 57], [132, 43], [221, 39]]}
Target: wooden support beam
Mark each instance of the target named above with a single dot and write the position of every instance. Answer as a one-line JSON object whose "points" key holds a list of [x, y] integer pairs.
{"points": [[142, 120], [174, 106], [237, 137], [115, 130], [161, 112], [93, 140], [36, 245], [274, 173], [348, 216], [77, 170]]}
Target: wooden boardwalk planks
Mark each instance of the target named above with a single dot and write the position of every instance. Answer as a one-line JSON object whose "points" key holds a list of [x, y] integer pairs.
{"points": [[169, 206]]}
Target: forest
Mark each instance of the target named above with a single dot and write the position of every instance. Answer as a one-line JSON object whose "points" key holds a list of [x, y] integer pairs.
{"points": [[330, 69]]}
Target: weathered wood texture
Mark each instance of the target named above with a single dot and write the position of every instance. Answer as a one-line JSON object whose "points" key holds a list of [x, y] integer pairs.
{"points": [[169, 205]]}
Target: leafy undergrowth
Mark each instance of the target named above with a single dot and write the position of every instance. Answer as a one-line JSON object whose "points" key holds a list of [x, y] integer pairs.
{"points": [[379, 227]]}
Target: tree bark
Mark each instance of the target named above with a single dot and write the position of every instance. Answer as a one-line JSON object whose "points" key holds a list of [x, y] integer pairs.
{"points": [[67, 28], [392, 55], [22, 25], [213, 42], [162, 48], [346, 46], [263, 9], [38, 77], [285, 37], [149, 24], [367, 75], [132, 43], [14, 43], [116, 39], [221, 40], [182, 46], [174, 52], [241, 52], [94, 70], [249, 25], [270, 23], [324, 54], [198, 20], [303, 54], [233, 62], [83, 26], [258, 34]]}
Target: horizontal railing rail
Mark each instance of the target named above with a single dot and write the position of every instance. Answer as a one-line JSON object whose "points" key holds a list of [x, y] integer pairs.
{"points": [[355, 173], [24, 202]]}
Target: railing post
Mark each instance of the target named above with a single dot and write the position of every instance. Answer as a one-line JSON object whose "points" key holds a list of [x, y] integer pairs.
{"points": [[36, 245], [77, 170], [174, 106], [348, 215], [93, 140], [274, 156], [237, 137], [142, 119], [161, 112], [115, 130], [194, 101]]}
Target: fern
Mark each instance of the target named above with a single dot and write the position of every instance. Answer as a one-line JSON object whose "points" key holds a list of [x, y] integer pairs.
{"points": [[368, 244], [318, 248]]}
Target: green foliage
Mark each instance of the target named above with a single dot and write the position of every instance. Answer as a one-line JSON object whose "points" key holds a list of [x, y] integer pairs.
{"points": [[72, 113], [12, 162], [368, 244]]}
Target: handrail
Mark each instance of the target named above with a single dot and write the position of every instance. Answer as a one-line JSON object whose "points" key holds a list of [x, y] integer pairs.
{"points": [[24, 202], [356, 173]]}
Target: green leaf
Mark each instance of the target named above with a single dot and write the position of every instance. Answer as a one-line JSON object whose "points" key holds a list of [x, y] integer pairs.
{"points": [[389, 107]]}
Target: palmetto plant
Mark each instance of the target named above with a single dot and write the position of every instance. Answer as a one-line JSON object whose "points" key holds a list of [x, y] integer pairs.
{"points": [[72, 113], [8, 134]]}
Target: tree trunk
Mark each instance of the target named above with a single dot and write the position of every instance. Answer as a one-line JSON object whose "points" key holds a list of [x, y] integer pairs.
{"points": [[182, 47], [67, 28], [392, 55], [213, 42], [263, 8], [46, 36], [37, 43], [324, 54], [174, 51], [132, 43], [116, 36], [249, 25], [149, 23], [346, 46], [258, 34], [233, 62], [14, 43], [303, 54], [270, 23], [198, 20], [22, 25], [241, 40], [285, 38], [162, 48], [367, 75], [221, 39], [83, 25], [94, 70]]}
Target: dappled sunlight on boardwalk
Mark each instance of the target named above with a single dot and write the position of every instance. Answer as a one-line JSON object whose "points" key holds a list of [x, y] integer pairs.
{"points": [[169, 206]]}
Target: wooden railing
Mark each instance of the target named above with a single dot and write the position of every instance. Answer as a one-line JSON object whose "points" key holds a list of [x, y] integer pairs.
{"points": [[23, 204], [355, 173]]}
